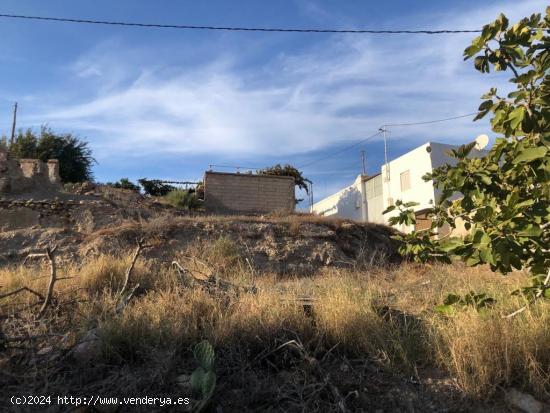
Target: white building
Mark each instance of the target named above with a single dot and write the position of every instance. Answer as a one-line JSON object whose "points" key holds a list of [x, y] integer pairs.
{"points": [[368, 197], [361, 201]]}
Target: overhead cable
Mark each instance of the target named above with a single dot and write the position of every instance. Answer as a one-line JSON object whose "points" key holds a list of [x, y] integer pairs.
{"points": [[230, 28]]}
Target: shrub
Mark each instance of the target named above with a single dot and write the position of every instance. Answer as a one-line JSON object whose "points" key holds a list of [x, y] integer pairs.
{"points": [[155, 187], [124, 183], [74, 155], [183, 199]]}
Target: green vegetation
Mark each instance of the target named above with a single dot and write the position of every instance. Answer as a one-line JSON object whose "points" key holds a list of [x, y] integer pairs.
{"points": [[287, 170], [124, 183], [74, 155], [183, 199], [506, 194], [203, 379], [155, 187]]}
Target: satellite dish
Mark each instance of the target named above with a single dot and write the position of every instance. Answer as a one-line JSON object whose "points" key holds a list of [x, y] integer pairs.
{"points": [[481, 142]]}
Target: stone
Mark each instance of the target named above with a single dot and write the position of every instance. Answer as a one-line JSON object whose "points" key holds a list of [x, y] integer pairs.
{"points": [[44, 351], [525, 402], [87, 349]]}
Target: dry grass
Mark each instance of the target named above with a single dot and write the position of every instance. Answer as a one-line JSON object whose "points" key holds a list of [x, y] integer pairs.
{"points": [[107, 272], [166, 222], [384, 315]]}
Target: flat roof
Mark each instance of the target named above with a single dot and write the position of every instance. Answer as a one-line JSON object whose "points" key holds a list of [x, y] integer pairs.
{"points": [[248, 175]]}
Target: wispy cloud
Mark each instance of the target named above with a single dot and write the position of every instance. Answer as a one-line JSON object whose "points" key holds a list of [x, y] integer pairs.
{"points": [[341, 88]]}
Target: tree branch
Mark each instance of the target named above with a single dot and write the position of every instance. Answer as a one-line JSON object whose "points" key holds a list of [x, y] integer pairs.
{"points": [[139, 247], [17, 291], [53, 278]]}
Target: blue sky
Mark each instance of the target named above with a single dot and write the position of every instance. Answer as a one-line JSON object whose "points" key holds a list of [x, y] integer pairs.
{"points": [[168, 103]]}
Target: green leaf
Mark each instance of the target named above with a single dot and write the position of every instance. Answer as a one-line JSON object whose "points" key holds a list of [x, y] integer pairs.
{"points": [[451, 244], [516, 116], [530, 231], [486, 255], [530, 154], [481, 239], [472, 261], [445, 309], [472, 50], [389, 209]]}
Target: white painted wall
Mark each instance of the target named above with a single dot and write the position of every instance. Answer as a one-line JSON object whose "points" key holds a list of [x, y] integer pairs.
{"points": [[362, 202], [346, 203], [417, 162], [375, 199]]}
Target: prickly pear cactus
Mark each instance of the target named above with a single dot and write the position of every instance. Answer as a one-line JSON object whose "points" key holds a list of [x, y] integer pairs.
{"points": [[203, 379]]}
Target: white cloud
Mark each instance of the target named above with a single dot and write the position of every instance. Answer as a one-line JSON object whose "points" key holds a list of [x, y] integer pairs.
{"points": [[342, 88]]}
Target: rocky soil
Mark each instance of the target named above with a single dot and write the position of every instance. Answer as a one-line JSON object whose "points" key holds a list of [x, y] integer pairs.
{"points": [[84, 226]]}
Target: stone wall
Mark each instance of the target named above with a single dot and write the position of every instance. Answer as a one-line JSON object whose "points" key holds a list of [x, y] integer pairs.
{"points": [[233, 193], [82, 215], [26, 175]]}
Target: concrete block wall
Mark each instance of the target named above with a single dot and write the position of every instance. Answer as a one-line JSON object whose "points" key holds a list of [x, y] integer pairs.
{"points": [[231, 193]]}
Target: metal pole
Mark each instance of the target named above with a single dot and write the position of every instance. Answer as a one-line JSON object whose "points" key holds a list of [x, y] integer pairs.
{"points": [[363, 162], [13, 125]]}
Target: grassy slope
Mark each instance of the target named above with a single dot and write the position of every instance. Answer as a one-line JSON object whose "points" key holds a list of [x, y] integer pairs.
{"points": [[380, 317]]}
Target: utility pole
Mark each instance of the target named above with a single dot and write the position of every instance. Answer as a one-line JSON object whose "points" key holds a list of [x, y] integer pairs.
{"points": [[383, 130], [311, 197], [363, 162], [13, 125]]}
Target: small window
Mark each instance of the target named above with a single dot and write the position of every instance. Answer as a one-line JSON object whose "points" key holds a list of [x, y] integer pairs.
{"points": [[390, 201], [405, 180]]}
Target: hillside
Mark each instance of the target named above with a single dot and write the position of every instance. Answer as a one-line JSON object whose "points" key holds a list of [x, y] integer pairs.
{"points": [[304, 313]]}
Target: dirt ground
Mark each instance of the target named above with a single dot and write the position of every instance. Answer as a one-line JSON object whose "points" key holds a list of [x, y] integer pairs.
{"points": [[38, 357]]}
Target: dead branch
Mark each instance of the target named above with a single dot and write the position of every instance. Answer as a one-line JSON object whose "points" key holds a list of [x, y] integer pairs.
{"points": [[53, 278], [546, 284], [45, 300], [17, 291], [211, 282], [125, 300], [140, 246], [179, 268]]}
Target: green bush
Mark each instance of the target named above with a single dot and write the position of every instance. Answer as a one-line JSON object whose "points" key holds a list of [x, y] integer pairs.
{"points": [[155, 187], [183, 199], [124, 183], [74, 155]]}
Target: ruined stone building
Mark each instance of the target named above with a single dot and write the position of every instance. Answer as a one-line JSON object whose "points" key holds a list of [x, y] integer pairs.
{"points": [[27, 175]]}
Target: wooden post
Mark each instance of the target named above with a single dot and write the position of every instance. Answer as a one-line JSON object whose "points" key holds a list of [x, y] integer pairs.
{"points": [[13, 124]]}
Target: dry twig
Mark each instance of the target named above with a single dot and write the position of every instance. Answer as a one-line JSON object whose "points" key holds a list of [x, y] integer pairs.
{"points": [[139, 248], [17, 291], [53, 278], [49, 254]]}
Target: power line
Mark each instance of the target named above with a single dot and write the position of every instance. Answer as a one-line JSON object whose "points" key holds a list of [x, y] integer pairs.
{"points": [[431, 121], [340, 151], [235, 29], [381, 130]]}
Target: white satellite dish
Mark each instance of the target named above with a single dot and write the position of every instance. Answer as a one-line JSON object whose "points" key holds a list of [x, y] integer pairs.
{"points": [[481, 142]]}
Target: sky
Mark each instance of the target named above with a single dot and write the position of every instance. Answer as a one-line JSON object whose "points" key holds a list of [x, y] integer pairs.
{"points": [[167, 104]]}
